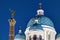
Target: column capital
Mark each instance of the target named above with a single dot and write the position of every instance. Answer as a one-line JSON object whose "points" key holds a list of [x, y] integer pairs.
{"points": [[12, 22]]}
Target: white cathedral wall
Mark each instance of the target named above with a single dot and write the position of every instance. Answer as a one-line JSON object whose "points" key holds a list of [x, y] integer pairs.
{"points": [[37, 32], [49, 31], [27, 33], [52, 35], [34, 32]]}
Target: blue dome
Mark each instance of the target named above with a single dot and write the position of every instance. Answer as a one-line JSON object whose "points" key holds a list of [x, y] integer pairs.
{"points": [[19, 36], [35, 27], [41, 20]]}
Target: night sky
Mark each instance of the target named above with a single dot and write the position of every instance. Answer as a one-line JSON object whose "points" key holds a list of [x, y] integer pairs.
{"points": [[25, 10]]}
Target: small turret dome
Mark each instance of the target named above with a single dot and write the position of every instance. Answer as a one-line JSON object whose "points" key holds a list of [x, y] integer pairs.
{"points": [[19, 36], [58, 36]]}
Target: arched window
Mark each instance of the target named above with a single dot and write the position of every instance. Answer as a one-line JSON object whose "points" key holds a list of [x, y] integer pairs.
{"points": [[29, 37], [34, 37], [40, 37]]}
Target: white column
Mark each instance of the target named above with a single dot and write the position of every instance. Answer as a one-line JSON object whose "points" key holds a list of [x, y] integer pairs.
{"points": [[45, 36], [52, 36]]}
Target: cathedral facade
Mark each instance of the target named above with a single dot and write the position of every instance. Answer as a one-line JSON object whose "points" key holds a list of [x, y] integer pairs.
{"points": [[39, 27]]}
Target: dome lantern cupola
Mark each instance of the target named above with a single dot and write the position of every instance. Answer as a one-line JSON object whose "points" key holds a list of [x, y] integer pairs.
{"points": [[40, 11]]}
